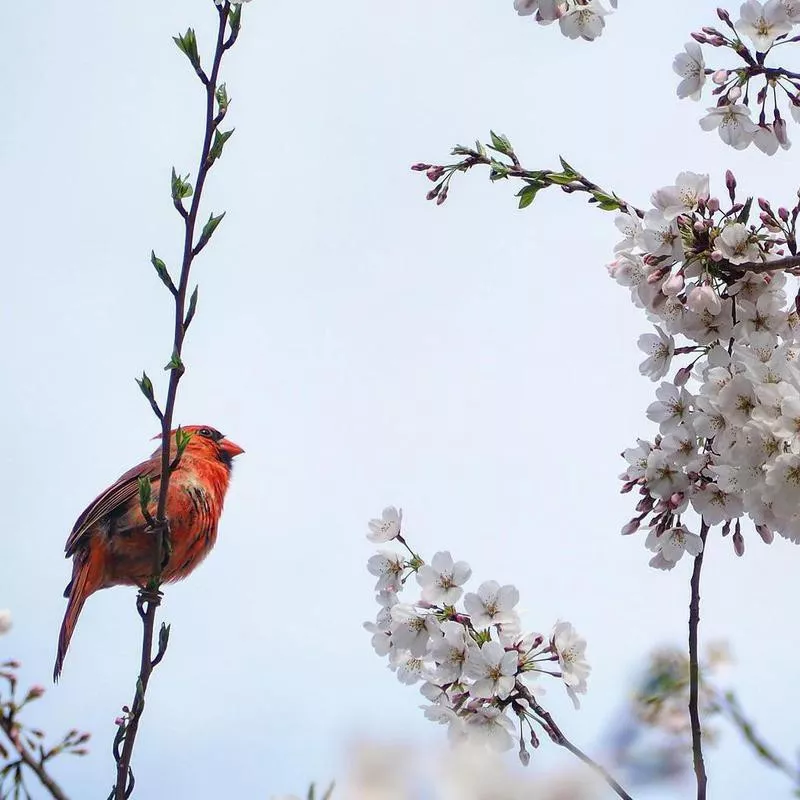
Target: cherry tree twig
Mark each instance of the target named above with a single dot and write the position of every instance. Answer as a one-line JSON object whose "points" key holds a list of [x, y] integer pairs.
{"points": [[694, 671], [557, 736]]}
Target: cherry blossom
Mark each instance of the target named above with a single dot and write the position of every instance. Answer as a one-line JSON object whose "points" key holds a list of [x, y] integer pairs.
{"points": [[691, 67], [492, 604], [762, 24], [387, 527], [441, 582]]}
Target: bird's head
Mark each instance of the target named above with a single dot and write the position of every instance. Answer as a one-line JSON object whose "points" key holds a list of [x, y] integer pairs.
{"points": [[209, 443]]}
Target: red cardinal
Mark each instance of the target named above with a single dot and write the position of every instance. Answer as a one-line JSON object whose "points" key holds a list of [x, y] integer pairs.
{"points": [[110, 544]]}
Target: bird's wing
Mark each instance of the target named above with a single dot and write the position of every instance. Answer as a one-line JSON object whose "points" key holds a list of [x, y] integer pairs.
{"points": [[118, 494]]}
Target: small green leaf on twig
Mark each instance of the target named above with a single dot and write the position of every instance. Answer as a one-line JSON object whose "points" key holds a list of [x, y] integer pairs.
{"points": [[220, 137], [501, 143], [568, 170], [181, 187], [161, 270], [208, 230], [605, 202], [497, 170], [175, 363], [146, 385], [187, 44], [222, 98], [235, 18], [745, 212], [145, 491], [528, 193], [192, 309], [182, 438]]}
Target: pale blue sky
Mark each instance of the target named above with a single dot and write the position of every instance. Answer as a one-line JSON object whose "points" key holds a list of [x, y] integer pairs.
{"points": [[472, 363]]}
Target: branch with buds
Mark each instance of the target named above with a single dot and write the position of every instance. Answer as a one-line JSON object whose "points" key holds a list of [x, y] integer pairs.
{"points": [[149, 598], [24, 750]]}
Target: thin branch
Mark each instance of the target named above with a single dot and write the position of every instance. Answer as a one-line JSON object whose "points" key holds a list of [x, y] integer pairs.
{"points": [[149, 598], [694, 671], [729, 706], [767, 266], [27, 758], [557, 736]]}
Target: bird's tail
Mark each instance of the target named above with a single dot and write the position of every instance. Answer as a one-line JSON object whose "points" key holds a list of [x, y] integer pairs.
{"points": [[85, 581]]}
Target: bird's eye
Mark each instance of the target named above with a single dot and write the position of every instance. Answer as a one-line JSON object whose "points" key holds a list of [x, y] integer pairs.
{"points": [[206, 432]]}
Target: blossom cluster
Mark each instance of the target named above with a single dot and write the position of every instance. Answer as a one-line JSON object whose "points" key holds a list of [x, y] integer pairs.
{"points": [[476, 668], [577, 19], [766, 26], [729, 418]]}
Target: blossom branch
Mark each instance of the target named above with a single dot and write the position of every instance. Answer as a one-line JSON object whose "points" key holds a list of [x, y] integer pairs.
{"points": [[149, 598], [26, 757], [506, 164], [28, 743], [557, 736], [694, 671]]}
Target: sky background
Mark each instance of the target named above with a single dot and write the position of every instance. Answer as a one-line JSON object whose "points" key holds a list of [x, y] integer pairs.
{"points": [[472, 363]]}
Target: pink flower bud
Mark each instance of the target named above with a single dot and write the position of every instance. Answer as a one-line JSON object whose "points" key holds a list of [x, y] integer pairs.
{"points": [[682, 376], [675, 499], [420, 167], [434, 173], [730, 180], [738, 543], [672, 285], [720, 76], [734, 93], [630, 527], [716, 255], [765, 533], [704, 298], [35, 691], [712, 204], [781, 135], [119, 721], [783, 213]]}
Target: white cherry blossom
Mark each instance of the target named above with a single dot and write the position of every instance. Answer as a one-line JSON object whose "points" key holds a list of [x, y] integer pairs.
{"points": [[441, 582], [387, 527], [762, 24], [690, 66], [492, 604]]}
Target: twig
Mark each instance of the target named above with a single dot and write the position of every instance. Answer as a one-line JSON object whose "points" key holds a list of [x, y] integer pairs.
{"points": [[27, 758], [149, 598], [694, 671], [557, 736]]}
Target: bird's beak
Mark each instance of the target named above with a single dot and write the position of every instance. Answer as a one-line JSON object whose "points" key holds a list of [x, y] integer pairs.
{"points": [[230, 448]]}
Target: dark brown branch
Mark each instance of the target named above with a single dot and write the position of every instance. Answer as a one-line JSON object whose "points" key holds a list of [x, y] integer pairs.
{"points": [[694, 671], [26, 757], [790, 262], [557, 736], [150, 598]]}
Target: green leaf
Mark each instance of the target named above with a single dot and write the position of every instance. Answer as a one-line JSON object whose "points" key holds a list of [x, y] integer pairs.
{"points": [[187, 44], [175, 363], [745, 212], [146, 385], [222, 97], [163, 637], [568, 170], [560, 178], [192, 309], [161, 270], [235, 18], [182, 438], [605, 202], [497, 170], [145, 490], [528, 193], [208, 230], [181, 187], [220, 137], [501, 143]]}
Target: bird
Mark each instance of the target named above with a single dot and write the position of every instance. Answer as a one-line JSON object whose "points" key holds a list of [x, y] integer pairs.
{"points": [[111, 543]]}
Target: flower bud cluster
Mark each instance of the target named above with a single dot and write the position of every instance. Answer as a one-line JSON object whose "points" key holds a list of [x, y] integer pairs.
{"points": [[766, 26], [577, 19], [476, 669], [729, 417]]}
